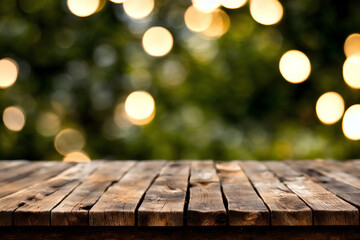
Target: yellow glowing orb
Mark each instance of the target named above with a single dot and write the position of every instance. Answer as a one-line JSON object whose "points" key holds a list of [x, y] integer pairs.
{"points": [[8, 72], [196, 20], [233, 4], [14, 118], [140, 107], [76, 157], [220, 23], [83, 8], [266, 12], [48, 124], [69, 140], [330, 107], [157, 41], [295, 66], [351, 122], [206, 5], [351, 71], [117, 1], [352, 45], [138, 9]]}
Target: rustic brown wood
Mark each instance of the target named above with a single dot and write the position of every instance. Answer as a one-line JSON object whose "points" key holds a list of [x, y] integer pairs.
{"points": [[164, 202], [117, 206], [206, 206], [31, 206], [159, 233], [328, 169], [285, 207], [6, 165], [19, 172], [340, 189], [327, 208], [43, 171], [245, 207], [74, 209]]}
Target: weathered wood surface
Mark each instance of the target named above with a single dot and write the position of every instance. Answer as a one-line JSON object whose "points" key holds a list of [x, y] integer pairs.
{"points": [[118, 205], [180, 193], [206, 205], [74, 209], [286, 208], [245, 207], [327, 208]]}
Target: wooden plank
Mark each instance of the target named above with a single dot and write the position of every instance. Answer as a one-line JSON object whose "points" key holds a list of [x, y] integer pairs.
{"points": [[43, 171], [286, 208], [164, 202], [328, 169], [206, 206], [6, 164], [21, 171], [340, 189], [31, 206], [118, 205], [327, 208], [74, 209], [245, 207]]}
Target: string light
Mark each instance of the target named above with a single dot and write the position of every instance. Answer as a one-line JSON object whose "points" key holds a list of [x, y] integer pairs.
{"points": [[206, 6], [232, 4], [14, 118], [140, 107], [138, 9], [157, 41], [83, 8], [295, 66], [8, 72], [350, 124], [69, 140], [351, 71], [352, 45], [197, 21], [330, 107], [266, 12]]}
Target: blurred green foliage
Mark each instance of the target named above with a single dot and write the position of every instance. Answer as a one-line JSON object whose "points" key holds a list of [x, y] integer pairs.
{"points": [[233, 103]]}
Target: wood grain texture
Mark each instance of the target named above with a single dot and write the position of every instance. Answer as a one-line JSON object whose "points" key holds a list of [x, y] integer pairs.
{"points": [[285, 207], [7, 164], [31, 206], [43, 171], [245, 207], [118, 205], [74, 209], [340, 189], [206, 206], [21, 171], [327, 208], [164, 202]]}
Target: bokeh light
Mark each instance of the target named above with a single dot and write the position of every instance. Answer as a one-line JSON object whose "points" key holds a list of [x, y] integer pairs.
{"points": [[351, 122], [138, 9], [266, 12], [295, 66], [352, 45], [140, 107], [330, 107], [351, 71], [220, 23], [48, 124], [157, 41], [8, 72], [117, 1], [83, 8], [232, 4], [197, 20], [14, 118], [206, 6], [76, 157], [69, 140]]}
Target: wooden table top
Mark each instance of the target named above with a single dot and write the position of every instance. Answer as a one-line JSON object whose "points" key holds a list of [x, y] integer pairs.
{"points": [[179, 193]]}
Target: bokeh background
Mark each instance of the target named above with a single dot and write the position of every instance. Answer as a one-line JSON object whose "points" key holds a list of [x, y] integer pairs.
{"points": [[79, 80]]}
